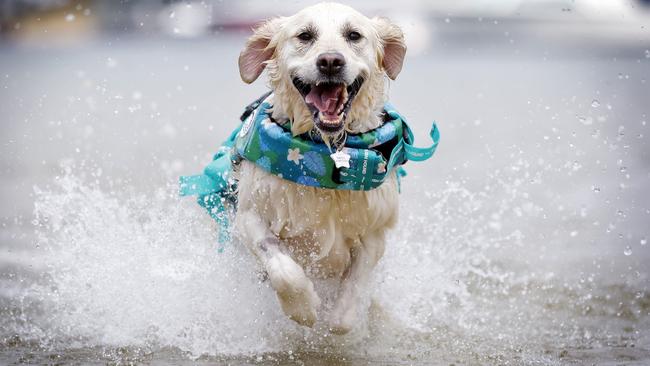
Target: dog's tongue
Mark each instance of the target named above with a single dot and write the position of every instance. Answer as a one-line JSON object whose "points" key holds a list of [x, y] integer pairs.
{"points": [[325, 97]]}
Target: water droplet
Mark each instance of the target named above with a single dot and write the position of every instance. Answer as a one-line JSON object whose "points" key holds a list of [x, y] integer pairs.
{"points": [[643, 241], [647, 53], [576, 165], [447, 20], [69, 17], [172, 15], [627, 251], [595, 189], [595, 103], [585, 120], [111, 62]]}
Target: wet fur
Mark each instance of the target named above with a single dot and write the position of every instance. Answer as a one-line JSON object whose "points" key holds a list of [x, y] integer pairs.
{"points": [[297, 231]]}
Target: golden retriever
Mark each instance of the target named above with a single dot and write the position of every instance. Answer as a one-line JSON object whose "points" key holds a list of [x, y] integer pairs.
{"points": [[327, 67]]}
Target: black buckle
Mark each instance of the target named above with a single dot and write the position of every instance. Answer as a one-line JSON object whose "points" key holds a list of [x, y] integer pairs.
{"points": [[253, 106]]}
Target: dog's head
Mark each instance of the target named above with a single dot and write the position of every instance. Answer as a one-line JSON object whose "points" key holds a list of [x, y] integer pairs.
{"points": [[326, 66]]}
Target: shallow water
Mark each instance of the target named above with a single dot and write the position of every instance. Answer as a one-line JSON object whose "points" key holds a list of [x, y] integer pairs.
{"points": [[522, 242]]}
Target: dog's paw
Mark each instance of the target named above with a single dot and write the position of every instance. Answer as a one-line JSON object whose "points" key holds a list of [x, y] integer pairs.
{"points": [[343, 317], [295, 291]]}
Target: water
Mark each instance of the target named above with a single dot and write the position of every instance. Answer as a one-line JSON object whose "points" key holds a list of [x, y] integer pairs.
{"points": [[512, 247]]}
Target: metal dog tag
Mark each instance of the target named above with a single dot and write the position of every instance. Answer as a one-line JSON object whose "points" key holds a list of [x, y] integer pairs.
{"points": [[341, 159]]}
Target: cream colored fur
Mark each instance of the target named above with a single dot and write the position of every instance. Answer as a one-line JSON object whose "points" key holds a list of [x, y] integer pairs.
{"points": [[297, 231]]}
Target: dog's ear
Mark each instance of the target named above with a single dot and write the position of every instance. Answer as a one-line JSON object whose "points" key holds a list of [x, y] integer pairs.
{"points": [[258, 50], [394, 47]]}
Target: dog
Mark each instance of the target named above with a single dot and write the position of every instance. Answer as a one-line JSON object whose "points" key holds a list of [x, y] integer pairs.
{"points": [[327, 67]]}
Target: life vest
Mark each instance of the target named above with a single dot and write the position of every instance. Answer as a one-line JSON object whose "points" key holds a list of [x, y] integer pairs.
{"points": [[363, 163]]}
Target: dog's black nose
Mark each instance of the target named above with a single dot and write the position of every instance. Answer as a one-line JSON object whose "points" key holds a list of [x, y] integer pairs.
{"points": [[330, 63]]}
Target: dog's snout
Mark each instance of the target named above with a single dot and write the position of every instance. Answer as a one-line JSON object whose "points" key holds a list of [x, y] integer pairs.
{"points": [[330, 63]]}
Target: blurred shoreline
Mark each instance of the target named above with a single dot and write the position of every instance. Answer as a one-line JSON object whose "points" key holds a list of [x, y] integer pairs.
{"points": [[516, 25]]}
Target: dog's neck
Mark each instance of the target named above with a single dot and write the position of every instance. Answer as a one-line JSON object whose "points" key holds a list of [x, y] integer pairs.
{"points": [[364, 115]]}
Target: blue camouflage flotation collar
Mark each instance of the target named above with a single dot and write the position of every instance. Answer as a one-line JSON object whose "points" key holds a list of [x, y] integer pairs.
{"points": [[365, 161]]}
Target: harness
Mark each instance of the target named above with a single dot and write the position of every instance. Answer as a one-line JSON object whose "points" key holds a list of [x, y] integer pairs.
{"points": [[364, 163]]}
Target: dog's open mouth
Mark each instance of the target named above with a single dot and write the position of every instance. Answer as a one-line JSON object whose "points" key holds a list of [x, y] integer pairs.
{"points": [[329, 102]]}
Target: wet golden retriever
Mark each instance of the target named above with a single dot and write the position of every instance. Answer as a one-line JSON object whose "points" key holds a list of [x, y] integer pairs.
{"points": [[327, 66]]}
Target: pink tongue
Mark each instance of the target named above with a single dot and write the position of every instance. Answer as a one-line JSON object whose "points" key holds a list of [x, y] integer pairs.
{"points": [[324, 98]]}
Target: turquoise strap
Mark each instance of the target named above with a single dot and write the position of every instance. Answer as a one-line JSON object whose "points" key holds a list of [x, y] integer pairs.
{"points": [[411, 152], [197, 185], [209, 196], [219, 170], [370, 169], [422, 153], [401, 173], [213, 179], [214, 203], [210, 188]]}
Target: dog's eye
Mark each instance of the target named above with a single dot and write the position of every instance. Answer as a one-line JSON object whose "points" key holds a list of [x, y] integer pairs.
{"points": [[305, 36], [354, 36]]}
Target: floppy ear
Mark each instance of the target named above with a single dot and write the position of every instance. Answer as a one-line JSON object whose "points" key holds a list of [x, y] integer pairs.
{"points": [[394, 48], [258, 50]]}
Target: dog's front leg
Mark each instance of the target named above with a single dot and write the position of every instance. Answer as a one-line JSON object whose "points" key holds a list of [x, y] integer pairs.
{"points": [[294, 290], [364, 257]]}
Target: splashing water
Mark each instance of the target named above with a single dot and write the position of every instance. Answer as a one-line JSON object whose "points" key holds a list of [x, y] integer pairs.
{"points": [[142, 271]]}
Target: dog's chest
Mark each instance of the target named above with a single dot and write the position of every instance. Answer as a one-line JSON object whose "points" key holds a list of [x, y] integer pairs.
{"points": [[323, 216]]}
